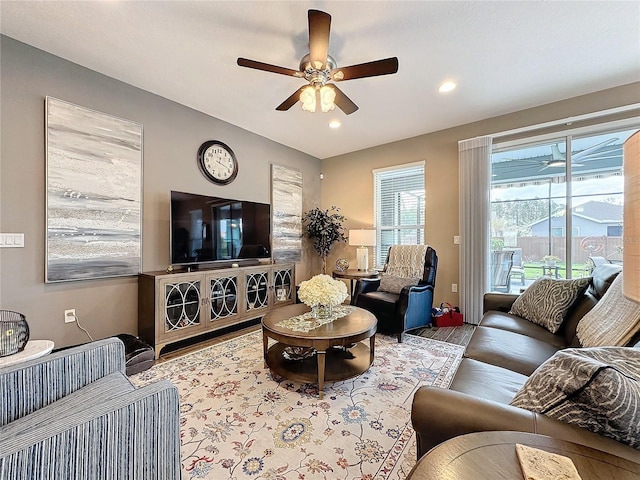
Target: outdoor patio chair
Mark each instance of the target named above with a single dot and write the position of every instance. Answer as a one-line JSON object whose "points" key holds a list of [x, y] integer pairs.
{"points": [[517, 267], [501, 264]]}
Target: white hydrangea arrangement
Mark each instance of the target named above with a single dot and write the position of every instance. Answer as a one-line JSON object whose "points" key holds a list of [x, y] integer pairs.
{"points": [[322, 290]]}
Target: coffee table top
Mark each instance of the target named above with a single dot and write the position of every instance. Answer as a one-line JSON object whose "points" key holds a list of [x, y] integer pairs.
{"points": [[492, 455], [359, 323]]}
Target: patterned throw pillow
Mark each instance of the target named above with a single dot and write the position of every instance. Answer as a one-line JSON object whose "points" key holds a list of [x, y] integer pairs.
{"points": [[613, 321], [393, 284], [594, 388], [547, 301]]}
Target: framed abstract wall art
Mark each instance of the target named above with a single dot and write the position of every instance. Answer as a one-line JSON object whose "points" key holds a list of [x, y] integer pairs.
{"points": [[94, 194], [286, 214]]}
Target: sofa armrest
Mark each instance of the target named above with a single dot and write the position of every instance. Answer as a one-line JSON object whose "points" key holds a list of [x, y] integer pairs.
{"points": [[132, 435], [498, 301], [28, 386], [438, 415]]}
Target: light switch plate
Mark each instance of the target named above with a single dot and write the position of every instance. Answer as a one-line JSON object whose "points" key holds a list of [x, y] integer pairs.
{"points": [[11, 240], [456, 239]]}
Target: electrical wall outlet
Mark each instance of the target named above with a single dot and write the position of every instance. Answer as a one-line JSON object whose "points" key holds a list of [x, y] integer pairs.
{"points": [[70, 315], [454, 287]]}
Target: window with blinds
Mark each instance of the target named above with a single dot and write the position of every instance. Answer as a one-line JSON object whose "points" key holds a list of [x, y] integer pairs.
{"points": [[399, 204]]}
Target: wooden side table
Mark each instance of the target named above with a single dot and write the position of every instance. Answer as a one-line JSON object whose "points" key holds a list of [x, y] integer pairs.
{"points": [[33, 349], [492, 456], [355, 275]]}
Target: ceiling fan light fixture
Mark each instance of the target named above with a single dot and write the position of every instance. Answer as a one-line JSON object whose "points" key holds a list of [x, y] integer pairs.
{"points": [[311, 96], [308, 98], [327, 98]]}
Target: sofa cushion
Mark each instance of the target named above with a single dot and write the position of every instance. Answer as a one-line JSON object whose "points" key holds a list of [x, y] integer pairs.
{"points": [[87, 397], [602, 278], [594, 388], [612, 322], [489, 382], [509, 350], [515, 324], [546, 301], [394, 284]]}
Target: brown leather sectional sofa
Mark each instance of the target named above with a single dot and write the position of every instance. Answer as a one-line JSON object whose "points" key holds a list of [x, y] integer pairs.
{"points": [[504, 350]]}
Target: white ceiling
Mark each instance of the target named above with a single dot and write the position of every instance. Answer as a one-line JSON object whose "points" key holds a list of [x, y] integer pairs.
{"points": [[505, 56]]}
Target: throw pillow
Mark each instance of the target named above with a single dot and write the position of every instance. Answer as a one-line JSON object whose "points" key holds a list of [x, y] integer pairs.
{"points": [[394, 284], [594, 388], [614, 320], [547, 301]]}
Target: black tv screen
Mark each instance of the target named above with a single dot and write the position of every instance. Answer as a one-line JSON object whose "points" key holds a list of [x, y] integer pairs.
{"points": [[212, 229]]}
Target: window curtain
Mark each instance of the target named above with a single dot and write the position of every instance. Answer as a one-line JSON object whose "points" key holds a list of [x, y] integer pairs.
{"points": [[474, 164]]}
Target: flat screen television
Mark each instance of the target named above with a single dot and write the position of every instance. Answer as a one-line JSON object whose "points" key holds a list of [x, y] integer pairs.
{"points": [[212, 229]]}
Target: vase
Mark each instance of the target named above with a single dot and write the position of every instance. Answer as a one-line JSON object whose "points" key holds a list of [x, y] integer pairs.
{"points": [[322, 311]]}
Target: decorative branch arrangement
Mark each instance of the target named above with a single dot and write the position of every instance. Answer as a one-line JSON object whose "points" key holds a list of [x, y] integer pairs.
{"points": [[325, 228]]}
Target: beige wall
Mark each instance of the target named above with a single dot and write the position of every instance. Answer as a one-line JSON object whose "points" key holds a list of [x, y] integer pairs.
{"points": [[348, 179], [172, 135]]}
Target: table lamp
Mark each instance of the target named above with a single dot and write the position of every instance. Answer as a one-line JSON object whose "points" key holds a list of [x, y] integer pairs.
{"points": [[363, 239], [631, 222]]}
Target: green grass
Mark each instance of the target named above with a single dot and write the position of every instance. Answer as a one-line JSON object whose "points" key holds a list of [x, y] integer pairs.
{"points": [[534, 270]]}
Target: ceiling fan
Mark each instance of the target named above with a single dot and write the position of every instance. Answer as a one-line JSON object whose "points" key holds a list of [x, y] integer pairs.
{"points": [[319, 68], [601, 151], [559, 159]]}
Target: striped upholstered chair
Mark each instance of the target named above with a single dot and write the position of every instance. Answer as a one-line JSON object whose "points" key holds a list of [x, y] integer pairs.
{"points": [[75, 415]]}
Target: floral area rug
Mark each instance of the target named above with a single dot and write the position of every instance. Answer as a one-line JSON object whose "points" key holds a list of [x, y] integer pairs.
{"points": [[240, 421]]}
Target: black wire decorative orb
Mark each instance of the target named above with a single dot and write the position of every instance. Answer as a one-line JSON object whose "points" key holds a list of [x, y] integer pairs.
{"points": [[14, 332]]}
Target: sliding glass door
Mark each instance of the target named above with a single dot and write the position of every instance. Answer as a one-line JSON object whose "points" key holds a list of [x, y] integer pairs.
{"points": [[556, 208]]}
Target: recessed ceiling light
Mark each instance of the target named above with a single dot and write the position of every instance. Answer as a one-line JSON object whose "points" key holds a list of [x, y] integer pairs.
{"points": [[446, 87], [335, 123]]}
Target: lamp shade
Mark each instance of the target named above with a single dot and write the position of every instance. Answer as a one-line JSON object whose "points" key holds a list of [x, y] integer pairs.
{"points": [[631, 251], [362, 238]]}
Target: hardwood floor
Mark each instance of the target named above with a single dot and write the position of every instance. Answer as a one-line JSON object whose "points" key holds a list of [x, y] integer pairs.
{"points": [[458, 335]]}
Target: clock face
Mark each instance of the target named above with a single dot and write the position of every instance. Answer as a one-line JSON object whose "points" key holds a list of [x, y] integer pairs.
{"points": [[217, 162]]}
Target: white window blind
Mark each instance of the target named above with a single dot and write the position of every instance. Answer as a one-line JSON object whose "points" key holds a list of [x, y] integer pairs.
{"points": [[399, 204]]}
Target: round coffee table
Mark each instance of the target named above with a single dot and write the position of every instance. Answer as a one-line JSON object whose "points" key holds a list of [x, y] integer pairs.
{"points": [[329, 363], [492, 456]]}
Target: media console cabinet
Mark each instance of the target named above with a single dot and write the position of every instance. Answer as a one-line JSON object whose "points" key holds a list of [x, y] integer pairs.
{"points": [[178, 306]]}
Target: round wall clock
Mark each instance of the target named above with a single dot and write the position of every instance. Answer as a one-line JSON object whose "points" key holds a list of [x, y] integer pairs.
{"points": [[217, 162]]}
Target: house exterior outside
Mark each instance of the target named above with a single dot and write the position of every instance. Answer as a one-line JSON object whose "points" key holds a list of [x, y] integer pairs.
{"points": [[591, 219]]}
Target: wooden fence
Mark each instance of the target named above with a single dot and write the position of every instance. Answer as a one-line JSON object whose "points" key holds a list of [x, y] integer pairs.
{"points": [[534, 248]]}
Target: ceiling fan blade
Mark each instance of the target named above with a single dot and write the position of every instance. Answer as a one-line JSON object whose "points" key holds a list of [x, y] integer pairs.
{"points": [[291, 101], [244, 62], [343, 102], [319, 28], [369, 69]]}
